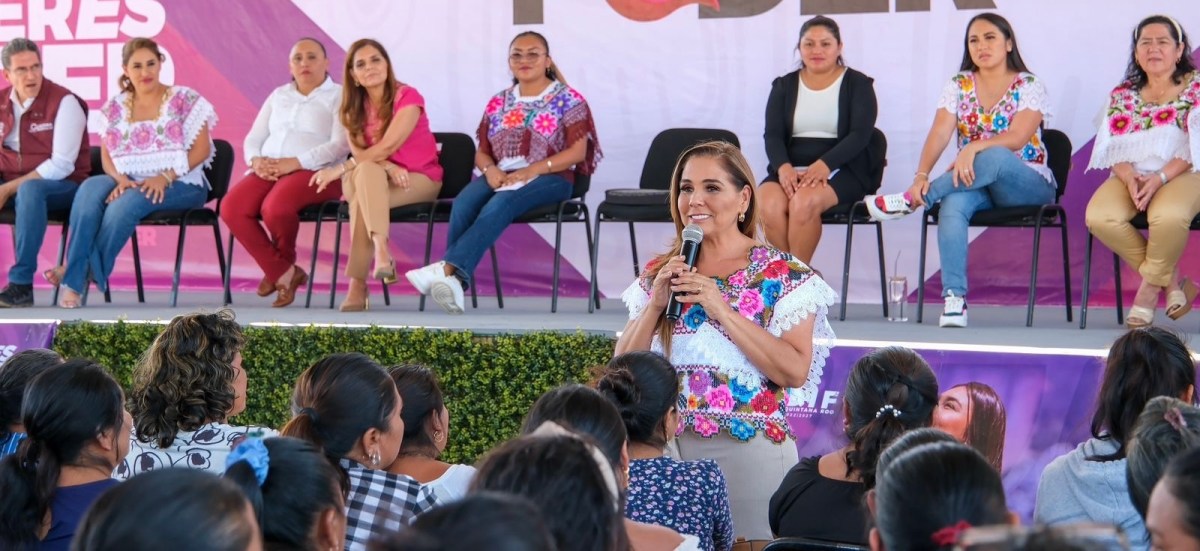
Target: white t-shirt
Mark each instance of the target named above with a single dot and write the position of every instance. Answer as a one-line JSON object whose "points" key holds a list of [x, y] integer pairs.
{"points": [[205, 448], [452, 485], [816, 114]]}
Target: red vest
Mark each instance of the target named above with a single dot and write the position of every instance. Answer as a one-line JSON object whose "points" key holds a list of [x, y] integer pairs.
{"points": [[37, 134]]}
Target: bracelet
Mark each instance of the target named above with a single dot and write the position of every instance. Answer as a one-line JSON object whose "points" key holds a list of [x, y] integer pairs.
{"points": [[1162, 176], [549, 166], [925, 174], [485, 169]]}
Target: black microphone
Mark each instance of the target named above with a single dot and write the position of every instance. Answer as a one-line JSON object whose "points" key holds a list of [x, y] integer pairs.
{"points": [[692, 236]]}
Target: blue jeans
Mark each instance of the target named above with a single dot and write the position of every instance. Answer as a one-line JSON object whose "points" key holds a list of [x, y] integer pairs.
{"points": [[35, 199], [1001, 180], [99, 231], [480, 214]]}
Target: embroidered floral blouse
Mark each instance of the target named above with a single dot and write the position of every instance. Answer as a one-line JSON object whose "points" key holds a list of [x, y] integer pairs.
{"points": [[1148, 134], [517, 131], [721, 389], [145, 148], [978, 123]]}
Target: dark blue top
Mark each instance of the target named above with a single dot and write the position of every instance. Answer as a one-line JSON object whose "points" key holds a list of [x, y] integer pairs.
{"points": [[689, 497], [67, 509]]}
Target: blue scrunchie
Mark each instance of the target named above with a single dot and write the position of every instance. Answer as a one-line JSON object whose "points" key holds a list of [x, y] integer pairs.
{"points": [[254, 452]]}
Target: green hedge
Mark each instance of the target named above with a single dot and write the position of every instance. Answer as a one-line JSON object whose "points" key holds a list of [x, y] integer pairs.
{"points": [[489, 382]]}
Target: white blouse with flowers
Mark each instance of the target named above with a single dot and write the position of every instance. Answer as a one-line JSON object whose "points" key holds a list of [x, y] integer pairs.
{"points": [[143, 149], [1148, 134]]}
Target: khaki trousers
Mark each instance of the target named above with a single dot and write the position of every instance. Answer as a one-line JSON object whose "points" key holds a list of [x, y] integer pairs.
{"points": [[371, 196], [1170, 214]]}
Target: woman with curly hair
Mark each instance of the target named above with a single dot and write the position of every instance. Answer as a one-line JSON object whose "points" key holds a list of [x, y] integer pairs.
{"points": [[185, 389]]}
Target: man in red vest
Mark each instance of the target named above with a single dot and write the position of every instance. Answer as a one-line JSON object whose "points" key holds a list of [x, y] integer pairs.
{"points": [[45, 155]]}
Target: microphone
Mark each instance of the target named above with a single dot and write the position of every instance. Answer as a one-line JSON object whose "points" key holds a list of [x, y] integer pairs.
{"points": [[692, 236]]}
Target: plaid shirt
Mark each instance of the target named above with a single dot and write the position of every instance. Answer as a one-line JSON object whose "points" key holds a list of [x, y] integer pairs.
{"points": [[381, 502]]}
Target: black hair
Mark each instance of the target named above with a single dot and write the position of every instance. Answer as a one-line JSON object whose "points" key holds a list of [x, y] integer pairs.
{"points": [[15, 374], [909, 440], [1182, 479], [338, 399], [483, 520], [829, 24], [1013, 59], [300, 485], [176, 509], [583, 410], [933, 487], [890, 390], [1136, 76], [67, 406], [314, 41], [1167, 427], [1143, 363], [552, 71], [562, 477], [422, 399], [644, 386]]}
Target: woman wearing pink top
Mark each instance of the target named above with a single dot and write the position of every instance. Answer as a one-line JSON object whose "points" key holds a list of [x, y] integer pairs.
{"points": [[394, 161]]}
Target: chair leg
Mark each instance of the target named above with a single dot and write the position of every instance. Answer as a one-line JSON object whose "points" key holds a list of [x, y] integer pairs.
{"points": [[337, 257], [1087, 282], [637, 267], [178, 264], [428, 254], [557, 262], [883, 292], [227, 273], [225, 267], [846, 263], [1120, 293], [593, 285], [387, 295], [1066, 266], [496, 276], [62, 254], [921, 269], [593, 295], [312, 262], [1037, 243], [137, 268]]}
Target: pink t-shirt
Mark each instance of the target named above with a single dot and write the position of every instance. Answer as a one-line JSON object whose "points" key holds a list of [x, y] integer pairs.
{"points": [[419, 152]]}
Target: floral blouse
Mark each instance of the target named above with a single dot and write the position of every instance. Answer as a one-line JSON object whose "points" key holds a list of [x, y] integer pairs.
{"points": [[690, 497], [721, 389], [1148, 134], [145, 148], [517, 131], [978, 123]]}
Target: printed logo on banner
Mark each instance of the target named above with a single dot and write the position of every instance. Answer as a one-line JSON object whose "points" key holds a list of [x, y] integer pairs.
{"points": [[7, 351], [531, 12], [825, 402]]}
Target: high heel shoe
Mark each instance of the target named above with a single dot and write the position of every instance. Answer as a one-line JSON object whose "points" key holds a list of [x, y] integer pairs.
{"points": [[348, 306], [1179, 302], [386, 274]]}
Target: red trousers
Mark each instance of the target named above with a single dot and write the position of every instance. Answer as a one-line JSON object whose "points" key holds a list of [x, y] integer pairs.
{"points": [[278, 204]]}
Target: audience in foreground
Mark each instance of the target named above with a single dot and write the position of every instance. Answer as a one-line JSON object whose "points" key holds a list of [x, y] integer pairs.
{"points": [[15, 374], [1173, 517], [1166, 428], [484, 520], [426, 433]]}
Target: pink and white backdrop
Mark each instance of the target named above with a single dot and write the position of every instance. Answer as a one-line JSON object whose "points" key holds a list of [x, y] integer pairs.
{"points": [[643, 65]]}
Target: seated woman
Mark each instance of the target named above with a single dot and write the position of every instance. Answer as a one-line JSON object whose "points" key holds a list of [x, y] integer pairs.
{"points": [[426, 433], [996, 107], [533, 139], [154, 146], [304, 505], [347, 406], [15, 374], [1173, 517], [1089, 483], [689, 497], [186, 387], [974, 414], [890, 390], [394, 163], [483, 520], [1150, 137], [1166, 428], [296, 132], [198, 511], [820, 119], [78, 430]]}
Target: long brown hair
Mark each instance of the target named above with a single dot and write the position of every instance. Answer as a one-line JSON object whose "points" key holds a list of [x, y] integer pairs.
{"points": [[354, 96], [735, 165], [127, 52], [986, 422]]}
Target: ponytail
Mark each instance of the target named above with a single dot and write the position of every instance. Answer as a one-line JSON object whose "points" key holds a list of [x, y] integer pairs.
{"points": [[28, 479], [304, 427], [553, 73], [338, 399]]}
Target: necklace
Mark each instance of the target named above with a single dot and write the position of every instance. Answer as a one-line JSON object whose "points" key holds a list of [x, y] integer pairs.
{"points": [[129, 103]]}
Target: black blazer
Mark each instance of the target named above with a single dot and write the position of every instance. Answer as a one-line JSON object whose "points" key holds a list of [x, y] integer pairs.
{"points": [[857, 109]]}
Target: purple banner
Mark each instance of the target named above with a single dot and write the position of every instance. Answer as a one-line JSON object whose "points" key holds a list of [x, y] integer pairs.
{"points": [[18, 336], [1048, 398]]}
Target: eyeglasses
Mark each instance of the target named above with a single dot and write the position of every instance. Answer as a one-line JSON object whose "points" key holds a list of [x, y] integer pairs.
{"points": [[20, 72], [517, 57], [1001, 538]]}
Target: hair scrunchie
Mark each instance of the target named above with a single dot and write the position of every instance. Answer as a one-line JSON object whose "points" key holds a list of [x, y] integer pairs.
{"points": [[254, 452]]}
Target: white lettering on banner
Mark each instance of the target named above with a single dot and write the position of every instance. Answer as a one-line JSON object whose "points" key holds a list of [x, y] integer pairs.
{"points": [[7, 352], [807, 408]]}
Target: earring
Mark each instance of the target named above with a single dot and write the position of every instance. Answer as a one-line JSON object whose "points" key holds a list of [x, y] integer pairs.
{"points": [[375, 458], [437, 435], [742, 217]]}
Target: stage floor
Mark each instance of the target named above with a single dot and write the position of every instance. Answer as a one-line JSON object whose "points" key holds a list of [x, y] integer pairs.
{"points": [[864, 325]]}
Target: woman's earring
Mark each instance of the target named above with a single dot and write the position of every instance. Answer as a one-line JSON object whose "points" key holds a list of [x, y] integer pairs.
{"points": [[741, 217], [437, 435]]}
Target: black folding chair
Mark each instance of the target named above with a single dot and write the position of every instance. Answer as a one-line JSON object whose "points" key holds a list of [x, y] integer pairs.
{"points": [[811, 544], [312, 213]]}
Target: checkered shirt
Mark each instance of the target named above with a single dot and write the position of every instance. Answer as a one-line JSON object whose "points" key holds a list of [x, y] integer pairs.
{"points": [[381, 502]]}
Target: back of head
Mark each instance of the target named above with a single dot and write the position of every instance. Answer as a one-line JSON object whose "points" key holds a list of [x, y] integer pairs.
{"points": [[1058, 537], [930, 490], [15, 374], [559, 474], [337, 399], [909, 440], [1182, 480], [644, 386], [1143, 363], [67, 407], [186, 378], [483, 520], [988, 423], [177, 509], [890, 390], [290, 485], [422, 399], [1166, 428], [582, 410]]}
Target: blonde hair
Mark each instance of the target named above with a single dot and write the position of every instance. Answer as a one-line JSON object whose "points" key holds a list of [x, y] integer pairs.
{"points": [[131, 47]]}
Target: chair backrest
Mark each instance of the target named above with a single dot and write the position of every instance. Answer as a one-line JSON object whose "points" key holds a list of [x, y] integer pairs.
{"points": [[97, 163], [668, 145], [1058, 157], [878, 157], [456, 154], [220, 171], [809, 544]]}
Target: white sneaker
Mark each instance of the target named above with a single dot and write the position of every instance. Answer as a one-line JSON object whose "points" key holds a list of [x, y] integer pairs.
{"points": [[887, 207], [422, 278], [448, 293], [955, 312]]}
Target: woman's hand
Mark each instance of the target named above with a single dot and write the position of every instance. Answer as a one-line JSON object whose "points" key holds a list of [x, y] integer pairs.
{"points": [[660, 288], [526, 175], [494, 176], [154, 188], [262, 168], [1147, 186], [701, 289], [788, 179], [325, 176], [397, 175], [817, 175], [282, 167], [123, 183], [918, 190], [964, 166]]}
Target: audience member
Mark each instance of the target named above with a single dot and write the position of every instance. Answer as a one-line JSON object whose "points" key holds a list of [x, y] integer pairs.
{"points": [[974, 414], [1089, 483], [426, 433], [347, 405], [889, 391], [186, 387], [175, 509], [296, 132], [15, 374], [689, 497], [1165, 429], [910, 439], [1173, 517], [484, 520], [78, 430], [1062, 537]]}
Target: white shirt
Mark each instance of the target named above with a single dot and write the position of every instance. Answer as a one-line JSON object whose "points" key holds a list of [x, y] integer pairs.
{"points": [[68, 129], [452, 485], [291, 124], [816, 114]]}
